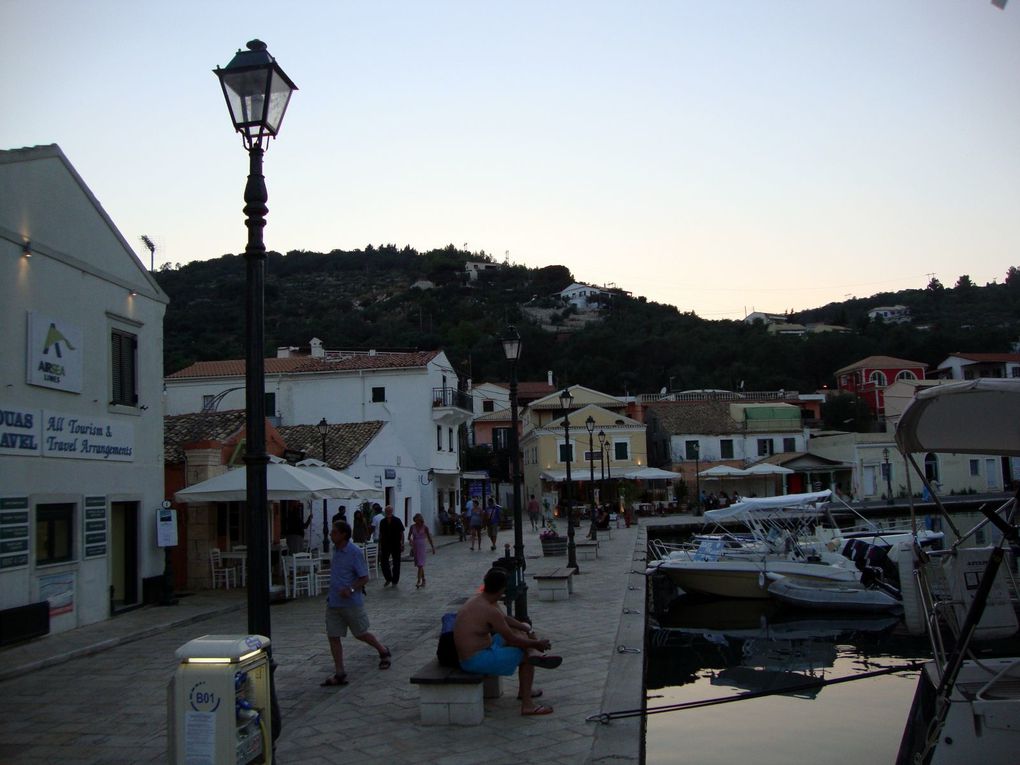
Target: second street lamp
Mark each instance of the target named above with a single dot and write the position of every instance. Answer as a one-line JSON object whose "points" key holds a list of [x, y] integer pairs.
{"points": [[565, 401], [590, 425], [602, 460], [512, 351], [323, 428]]}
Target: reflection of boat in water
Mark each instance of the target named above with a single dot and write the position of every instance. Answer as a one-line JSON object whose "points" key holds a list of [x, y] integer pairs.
{"points": [[965, 709], [849, 596]]}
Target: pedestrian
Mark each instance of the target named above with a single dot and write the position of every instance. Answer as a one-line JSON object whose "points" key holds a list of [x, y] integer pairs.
{"points": [[474, 520], [533, 512], [294, 525], [377, 516], [491, 643], [391, 545], [547, 515], [340, 515], [418, 536], [493, 515], [345, 604], [360, 529]]}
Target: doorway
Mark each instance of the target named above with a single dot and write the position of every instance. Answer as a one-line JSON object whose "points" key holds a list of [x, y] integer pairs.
{"points": [[123, 555]]}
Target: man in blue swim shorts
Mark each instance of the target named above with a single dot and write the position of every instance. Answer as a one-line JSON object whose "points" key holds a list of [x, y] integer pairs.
{"points": [[491, 643]]}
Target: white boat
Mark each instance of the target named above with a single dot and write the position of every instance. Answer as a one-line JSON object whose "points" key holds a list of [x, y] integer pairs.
{"points": [[965, 710], [833, 597]]}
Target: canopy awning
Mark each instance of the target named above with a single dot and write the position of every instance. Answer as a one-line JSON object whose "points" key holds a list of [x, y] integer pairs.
{"points": [[356, 488], [968, 417], [769, 505], [282, 482], [651, 474], [722, 471]]}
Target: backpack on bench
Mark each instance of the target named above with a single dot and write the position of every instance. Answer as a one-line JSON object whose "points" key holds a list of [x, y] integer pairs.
{"points": [[446, 652]]}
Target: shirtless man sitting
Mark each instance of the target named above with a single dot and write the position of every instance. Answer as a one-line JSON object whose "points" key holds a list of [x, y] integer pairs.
{"points": [[491, 643]]}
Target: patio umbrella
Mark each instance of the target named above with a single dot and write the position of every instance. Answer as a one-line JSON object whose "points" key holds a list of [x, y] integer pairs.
{"points": [[282, 482], [651, 474], [356, 488], [765, 469], [723, 471]]}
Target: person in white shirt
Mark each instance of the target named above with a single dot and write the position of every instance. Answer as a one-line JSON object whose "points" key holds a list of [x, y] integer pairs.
{"points": [[377, 516]]}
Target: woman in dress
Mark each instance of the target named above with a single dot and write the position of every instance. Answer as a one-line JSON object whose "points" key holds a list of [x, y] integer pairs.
{"points": [[360, 531], [418, 535]]}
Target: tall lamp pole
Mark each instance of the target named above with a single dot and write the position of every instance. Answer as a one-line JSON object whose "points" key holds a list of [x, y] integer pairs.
{"points": [[590, 425], [697, 475], [566, 400], [888, 475], [602, 460], [257, 93], [323, 428], [512, 351]]}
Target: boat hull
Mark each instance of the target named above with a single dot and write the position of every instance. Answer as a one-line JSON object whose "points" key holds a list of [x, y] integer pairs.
{"points": [[746, 579], [833, 597]]}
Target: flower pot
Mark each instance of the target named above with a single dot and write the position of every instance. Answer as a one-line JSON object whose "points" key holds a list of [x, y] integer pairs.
{"points": [[554, 546]]}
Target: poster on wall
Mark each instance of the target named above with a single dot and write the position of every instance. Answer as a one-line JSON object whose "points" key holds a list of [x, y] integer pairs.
{"points": [[54, 353], [166, 526], [58, 589], [96, 530], [13, 533]]}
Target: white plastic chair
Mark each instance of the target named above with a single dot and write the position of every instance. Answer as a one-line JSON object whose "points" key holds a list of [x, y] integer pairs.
{"points": [[221, 575], [372, 558], [322, 575], [301, 574]]}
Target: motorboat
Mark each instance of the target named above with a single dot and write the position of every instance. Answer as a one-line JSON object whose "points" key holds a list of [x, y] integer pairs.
{"points": [[967, 704], [837, 596]]}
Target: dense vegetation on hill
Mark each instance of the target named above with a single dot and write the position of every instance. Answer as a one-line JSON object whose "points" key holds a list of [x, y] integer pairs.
{"points": [[364, 299]]}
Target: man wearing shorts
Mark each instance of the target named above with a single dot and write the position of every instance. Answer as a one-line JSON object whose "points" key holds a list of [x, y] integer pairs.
{"points": [[491, 643], [345, 603]]}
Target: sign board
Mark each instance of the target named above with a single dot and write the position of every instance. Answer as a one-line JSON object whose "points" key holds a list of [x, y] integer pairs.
{"points": [[76, 436], [54, 353], [95, 532], [19, 431], [14, 516], [166, 527], [391, 473]]}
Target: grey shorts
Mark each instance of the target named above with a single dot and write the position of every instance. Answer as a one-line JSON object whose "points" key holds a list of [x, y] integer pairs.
{"points": [[339, 620]]}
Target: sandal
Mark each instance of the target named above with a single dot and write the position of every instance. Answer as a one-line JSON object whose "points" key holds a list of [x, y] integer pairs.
{"points": [[384, 660], [541, 709], [334, 680]]}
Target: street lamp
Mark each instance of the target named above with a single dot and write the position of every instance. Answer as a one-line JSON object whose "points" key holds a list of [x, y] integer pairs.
{"points": [[590, 425], [887, 469], [602, 460], [512, 350], [323, 428], [566, 400], [257, 93], [697, 475]]}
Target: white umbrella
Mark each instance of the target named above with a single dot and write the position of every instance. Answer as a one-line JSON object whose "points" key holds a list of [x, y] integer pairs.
{"points": [[767, 468], [355, 487], [723, 471], [282, 482], [651, 474]]}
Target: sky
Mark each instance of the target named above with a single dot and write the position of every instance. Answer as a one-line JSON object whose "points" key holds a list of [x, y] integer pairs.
{"points": [[722, 157]]}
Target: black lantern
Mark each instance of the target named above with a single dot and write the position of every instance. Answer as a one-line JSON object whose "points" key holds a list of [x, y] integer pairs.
{"points": [[257, 92], [512, 350]]}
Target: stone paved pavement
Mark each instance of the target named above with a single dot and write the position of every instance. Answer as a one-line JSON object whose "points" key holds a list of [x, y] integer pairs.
{"points": [[98, 694]]}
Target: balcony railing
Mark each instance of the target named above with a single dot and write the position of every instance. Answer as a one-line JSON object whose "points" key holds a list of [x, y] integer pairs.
{"points": [[451, 397]]}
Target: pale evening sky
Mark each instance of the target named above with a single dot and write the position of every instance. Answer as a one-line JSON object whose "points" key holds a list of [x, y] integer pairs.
{"points": [[717, 156]]}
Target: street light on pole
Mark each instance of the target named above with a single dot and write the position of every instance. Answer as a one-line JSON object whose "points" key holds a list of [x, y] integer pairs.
{"points": [[697, 475], [566, 400], [257, 93], [887, 468], [602, 460], [512, 351], [323, 428], [590, 425]]}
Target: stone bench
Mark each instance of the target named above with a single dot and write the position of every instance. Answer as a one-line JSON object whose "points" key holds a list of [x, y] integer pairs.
{"points": [[451, 696], [586, 550], [556, 584]]}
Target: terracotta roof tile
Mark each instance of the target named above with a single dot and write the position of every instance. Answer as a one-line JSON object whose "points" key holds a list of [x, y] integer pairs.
{"points": [[344, 440], [307, 364], [988, 357], [701, 417], [183, 429], [881, 362]]}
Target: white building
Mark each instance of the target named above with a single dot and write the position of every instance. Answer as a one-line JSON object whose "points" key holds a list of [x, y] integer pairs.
{"points": [[417, 460], [584, 296], [81, 425], [973, 366], [890, 314]]}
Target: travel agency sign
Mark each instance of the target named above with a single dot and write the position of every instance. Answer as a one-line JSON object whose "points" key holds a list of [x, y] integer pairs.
{"points": [[35, 432], [55, 351]]}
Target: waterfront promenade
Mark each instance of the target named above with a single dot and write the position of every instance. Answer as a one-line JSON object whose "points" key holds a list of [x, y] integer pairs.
{"points": [[98, 694]]}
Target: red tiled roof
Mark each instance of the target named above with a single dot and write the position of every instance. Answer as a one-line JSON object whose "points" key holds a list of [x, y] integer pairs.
{"points": [[881, 362], [344, 440], [988, 357], [308, 365]]}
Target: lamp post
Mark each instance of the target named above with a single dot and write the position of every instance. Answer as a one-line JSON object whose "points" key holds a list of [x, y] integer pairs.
{"points": [[602, 460], [257, 93], [512, 351], [887, 468], [590, 425], [323, 428], [565, 401], [697, 475]]}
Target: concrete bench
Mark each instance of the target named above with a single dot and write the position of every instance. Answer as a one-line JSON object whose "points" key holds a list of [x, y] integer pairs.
{"points": [[586, 550], [451, 696], [556, 584]]}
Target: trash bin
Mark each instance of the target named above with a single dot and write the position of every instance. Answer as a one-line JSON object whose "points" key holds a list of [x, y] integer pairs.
{"points": [[219, 702]]}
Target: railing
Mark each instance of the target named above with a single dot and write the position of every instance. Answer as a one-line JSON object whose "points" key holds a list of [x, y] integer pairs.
{"points": [[451, 397]]}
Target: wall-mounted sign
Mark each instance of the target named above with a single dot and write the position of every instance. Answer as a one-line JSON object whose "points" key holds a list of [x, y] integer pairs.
{"points": [[58, 589], [54, 353], [391, 473], [19, 431], [166, 527], [87, 438], [13, 533], [96, 528]]}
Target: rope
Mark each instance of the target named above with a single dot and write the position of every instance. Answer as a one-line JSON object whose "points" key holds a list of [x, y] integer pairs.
{"points": [[606, 717], [624, 649]]}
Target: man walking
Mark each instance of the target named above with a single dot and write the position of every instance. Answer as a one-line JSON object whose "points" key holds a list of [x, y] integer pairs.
{"points": [[493, 515], [533, 512], [345, 605], [391, 545]]}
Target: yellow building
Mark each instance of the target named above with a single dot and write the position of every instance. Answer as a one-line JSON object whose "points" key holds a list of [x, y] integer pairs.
{"points": [[611, 440]]}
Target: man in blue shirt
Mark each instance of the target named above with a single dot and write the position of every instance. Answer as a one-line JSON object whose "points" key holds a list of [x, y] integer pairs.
{"points": [[345, 603], [493, 515]]}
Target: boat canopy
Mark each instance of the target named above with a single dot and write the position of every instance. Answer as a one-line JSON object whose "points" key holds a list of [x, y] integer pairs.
{"points": [[967, 417], [768, 505]]}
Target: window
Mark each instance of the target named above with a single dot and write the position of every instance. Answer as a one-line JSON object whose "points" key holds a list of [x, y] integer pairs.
{"points": [[1014, 372], [906, 374], [726, 448], [975, 467], [501, 438], [378, 394], [123, 358], [207, 402], [878, 378], [931, 467], [269, 402], [54, 533], [789, 444], [449, 438], [764, 447], [621, 450], [488, 405], [439, 438], [691, 450], [566, 452]]}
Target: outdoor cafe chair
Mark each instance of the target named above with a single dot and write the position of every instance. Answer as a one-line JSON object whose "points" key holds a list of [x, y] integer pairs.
{"points": [[221, 575]]}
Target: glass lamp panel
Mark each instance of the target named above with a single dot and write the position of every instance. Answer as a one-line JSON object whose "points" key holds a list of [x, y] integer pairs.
{"points": [[246, 95], [279, 96], [512, 348]]}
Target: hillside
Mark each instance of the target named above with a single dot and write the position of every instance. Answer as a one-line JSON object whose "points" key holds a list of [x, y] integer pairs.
{"points": [[364, 299]]}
